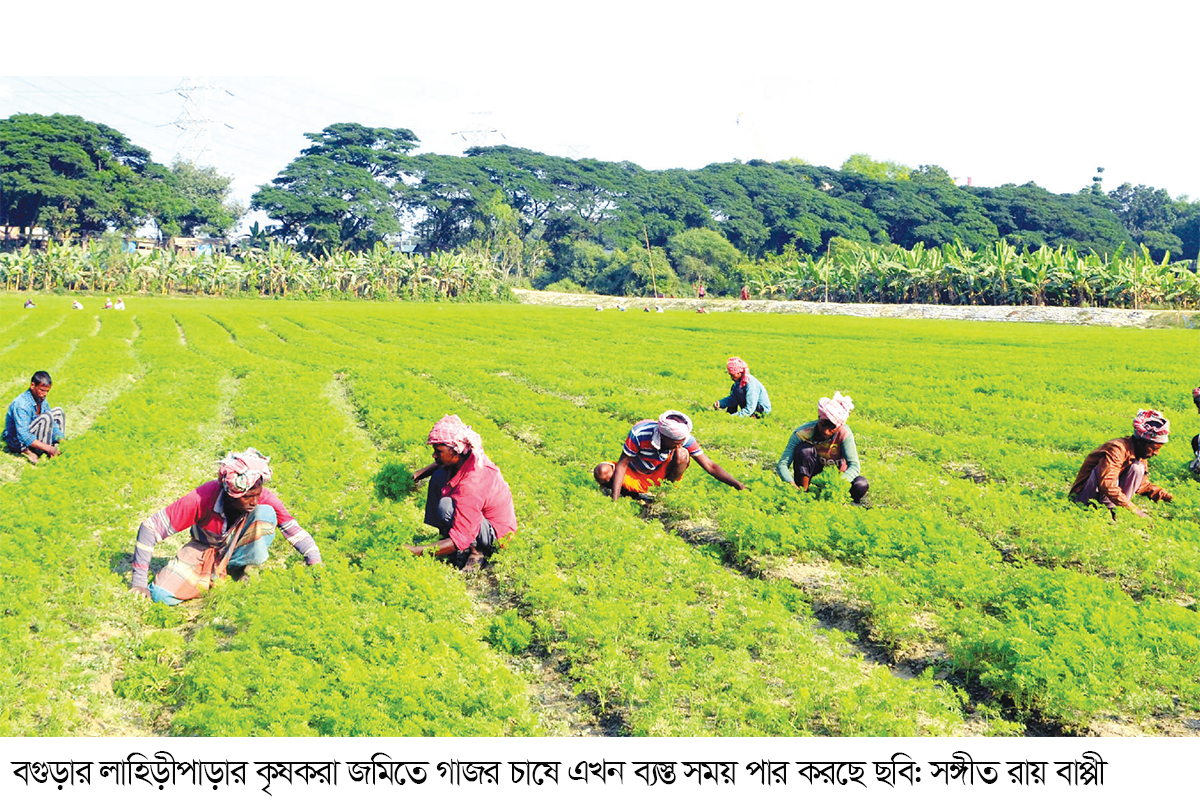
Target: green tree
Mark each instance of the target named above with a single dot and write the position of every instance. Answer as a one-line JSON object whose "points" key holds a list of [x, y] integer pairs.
{"points": [[73, 176], [861, 163], [208, 210], [337, 194]]}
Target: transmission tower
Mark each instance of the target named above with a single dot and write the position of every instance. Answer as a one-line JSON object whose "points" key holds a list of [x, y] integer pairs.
{"points": [[481, 133], [195, 137]]}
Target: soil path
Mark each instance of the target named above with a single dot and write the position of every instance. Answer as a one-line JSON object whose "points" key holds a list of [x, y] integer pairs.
{"points": [[1143, 318]]}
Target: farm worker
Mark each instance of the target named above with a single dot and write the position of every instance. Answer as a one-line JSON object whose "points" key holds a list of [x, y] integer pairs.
{"points": [[655, 451], [76, 305], [29, 304], [120, 305], [31, 426], [827, 441], [1118, 469], [233, 520], [745, 293], [467, 499], [108, 304], [1195, 464], [747, 397]]}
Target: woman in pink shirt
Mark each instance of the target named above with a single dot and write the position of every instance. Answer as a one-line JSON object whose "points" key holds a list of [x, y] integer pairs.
{"points": [[467, 499]]}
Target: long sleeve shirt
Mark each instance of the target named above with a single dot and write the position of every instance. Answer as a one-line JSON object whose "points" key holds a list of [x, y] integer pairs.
{"points": [[203, 511], [747, 397], [1113, 458], [20, 416], [479, 491], [842, 452]]}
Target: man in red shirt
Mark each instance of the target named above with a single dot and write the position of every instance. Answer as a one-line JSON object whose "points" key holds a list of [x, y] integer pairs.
{"points": [[1117, 470], [467, 500]]}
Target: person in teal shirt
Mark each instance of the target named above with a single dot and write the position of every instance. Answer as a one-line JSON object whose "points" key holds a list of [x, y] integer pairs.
{"points": [[821, 443], [747, 397]]}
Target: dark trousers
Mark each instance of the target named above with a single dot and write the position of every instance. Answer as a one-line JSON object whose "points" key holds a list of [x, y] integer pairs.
{"points": [[440, 511]]}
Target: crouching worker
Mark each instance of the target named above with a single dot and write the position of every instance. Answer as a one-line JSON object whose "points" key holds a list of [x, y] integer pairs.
{"points": [[31, 426], [1117, 470], [655, 451], [747, 396], [467, 501], [233, 520], [821, 443]]}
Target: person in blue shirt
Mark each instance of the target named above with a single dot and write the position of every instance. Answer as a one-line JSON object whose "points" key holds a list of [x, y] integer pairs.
{"points": [[747, 397], [31, 426]]}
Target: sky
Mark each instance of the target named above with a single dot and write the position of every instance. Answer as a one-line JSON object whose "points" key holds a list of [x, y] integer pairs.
{"points": [[998, 93]]}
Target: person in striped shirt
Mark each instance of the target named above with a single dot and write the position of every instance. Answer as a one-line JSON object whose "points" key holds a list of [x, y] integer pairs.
{"points": [[655, 451], [232, 519]]}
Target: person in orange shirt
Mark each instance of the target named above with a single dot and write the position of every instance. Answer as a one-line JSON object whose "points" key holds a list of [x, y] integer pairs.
{"points": [[1117, 470]]}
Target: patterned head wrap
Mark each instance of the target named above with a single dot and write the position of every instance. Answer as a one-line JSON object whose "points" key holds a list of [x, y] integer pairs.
{"points": [[674, 425], [1150, 425], [736, 366], [239, 472], [451, 431], [1196, 393], [835, 410]]}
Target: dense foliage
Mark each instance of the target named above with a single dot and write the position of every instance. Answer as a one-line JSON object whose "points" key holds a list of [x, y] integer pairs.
{"points": [[687, 618], [278, 270], [71, 176]]}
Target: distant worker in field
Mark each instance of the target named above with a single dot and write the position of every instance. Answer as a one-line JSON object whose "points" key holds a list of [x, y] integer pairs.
{"points": [[745, 293], [1195, 464], [31, 426], [76, 305], [1117, 470], [120, 305], [233, 521], [467, 500], [108, 304], [655, 451], [747, 397], [828, 441], [29, 304]]}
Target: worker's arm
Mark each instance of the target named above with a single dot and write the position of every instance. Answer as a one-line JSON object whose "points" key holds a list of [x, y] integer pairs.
{"points": [[713, 468], [618, 476]]}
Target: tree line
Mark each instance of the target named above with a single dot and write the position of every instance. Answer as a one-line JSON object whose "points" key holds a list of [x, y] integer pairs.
{"points": [[576, 224]]}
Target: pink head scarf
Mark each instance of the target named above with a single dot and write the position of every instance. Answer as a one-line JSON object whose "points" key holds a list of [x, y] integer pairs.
{"points": [[239, 472], [451, 431], [1151, 425], [737, 367], [835, 410], [1196, 393], [674, 425]]}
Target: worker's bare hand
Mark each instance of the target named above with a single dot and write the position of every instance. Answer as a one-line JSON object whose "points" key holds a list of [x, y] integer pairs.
{"points": [[716, 405], [1167, 497], [54, 451], [141, 592]]}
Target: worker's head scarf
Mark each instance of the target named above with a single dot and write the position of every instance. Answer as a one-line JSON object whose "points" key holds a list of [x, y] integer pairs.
{"points": [[1150, 425], [1196, 393], [451, 431], [737, 367], [674, 425], [239, 472], [835, 410]]}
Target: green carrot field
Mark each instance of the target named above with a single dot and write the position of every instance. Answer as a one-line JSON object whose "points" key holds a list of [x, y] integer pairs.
{"points": [[969, 599]]}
